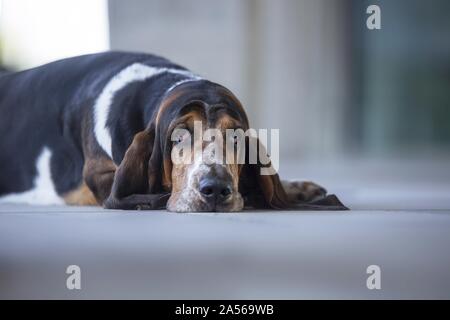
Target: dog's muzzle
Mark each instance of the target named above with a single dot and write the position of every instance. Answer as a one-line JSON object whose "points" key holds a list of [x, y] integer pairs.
{"points": [[216, 187]]}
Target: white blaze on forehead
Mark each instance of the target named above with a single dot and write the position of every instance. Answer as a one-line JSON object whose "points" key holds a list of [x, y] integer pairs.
{"points": [[203, 162], [213, 153], [197, 169], [132, 73]]}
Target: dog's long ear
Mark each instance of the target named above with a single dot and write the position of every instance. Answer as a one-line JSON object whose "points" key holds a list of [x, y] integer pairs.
{"points": [[160, 164], [266, 191], [131, 176], [259, 190]]}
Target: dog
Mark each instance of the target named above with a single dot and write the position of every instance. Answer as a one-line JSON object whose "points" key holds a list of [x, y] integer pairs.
{"points": [[98, 130]]}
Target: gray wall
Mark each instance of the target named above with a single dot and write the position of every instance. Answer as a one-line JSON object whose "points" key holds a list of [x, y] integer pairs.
{"points": [[286, 60], [405, 103]]}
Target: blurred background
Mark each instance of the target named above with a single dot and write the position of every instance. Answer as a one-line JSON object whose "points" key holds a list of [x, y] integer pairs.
{"points": [[310, 68], [338, 92]]}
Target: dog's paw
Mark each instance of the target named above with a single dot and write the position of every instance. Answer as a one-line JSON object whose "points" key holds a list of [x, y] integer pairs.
{"points": [[303, 191]]}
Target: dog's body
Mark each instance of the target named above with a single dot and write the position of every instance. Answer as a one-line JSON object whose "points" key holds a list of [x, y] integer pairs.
{"points": [[95, 129], [46, 107]]}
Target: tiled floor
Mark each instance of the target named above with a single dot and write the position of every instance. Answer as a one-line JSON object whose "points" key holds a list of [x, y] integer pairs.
{"points": [[400, 222]]}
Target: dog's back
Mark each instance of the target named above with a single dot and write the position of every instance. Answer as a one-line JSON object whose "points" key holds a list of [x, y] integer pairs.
{"points": [[41, 117]]}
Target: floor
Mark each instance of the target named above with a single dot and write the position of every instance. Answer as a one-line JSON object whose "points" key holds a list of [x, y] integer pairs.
{"points": [[400, 221]]}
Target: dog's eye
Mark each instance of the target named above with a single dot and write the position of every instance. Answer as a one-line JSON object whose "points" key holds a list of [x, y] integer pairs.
{"points": [[178, 139], [234, 139], [180, 135]]}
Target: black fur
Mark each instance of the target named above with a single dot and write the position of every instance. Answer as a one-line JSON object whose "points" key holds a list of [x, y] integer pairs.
{"points": [[47, 106]]}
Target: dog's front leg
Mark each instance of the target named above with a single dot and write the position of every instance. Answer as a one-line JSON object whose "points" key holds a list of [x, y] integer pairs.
{"points": [[130, 187], [138, 202]]}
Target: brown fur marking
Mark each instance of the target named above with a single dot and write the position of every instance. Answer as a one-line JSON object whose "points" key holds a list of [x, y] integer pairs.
{"points": [[82, 196]]}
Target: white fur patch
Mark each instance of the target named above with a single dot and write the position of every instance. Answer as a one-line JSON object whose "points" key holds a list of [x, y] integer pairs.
{"points": [[132, 73], [43, 192]]}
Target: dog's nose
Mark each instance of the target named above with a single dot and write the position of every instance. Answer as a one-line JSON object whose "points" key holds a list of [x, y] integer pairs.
{"points": [[214, 190]]}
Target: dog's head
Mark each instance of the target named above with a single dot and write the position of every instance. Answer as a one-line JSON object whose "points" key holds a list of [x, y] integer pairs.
{"points": [[199, 153]]}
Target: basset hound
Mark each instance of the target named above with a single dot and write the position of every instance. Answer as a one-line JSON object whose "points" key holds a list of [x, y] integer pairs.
{"points": [[99, 129]]}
